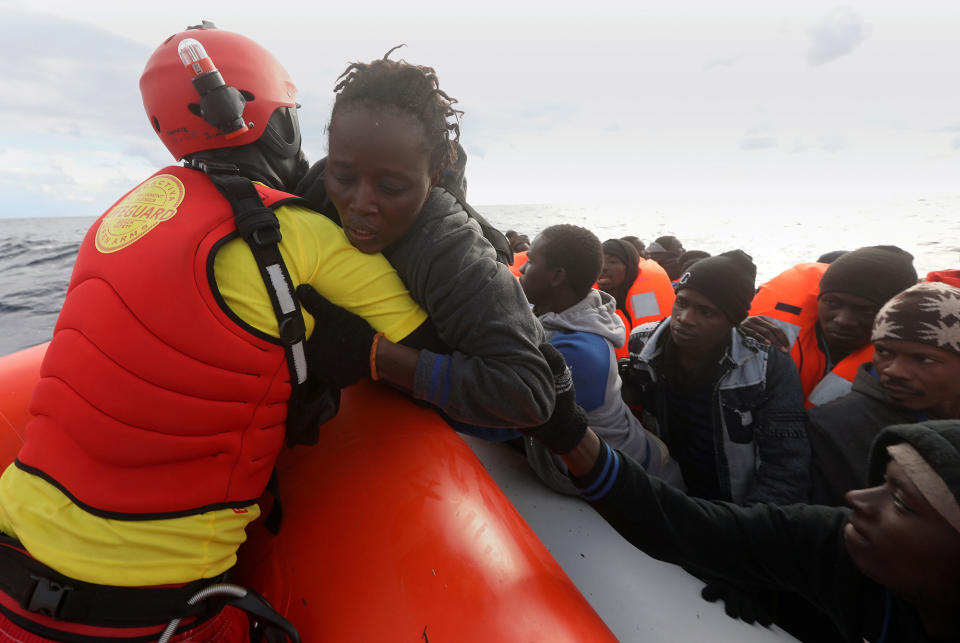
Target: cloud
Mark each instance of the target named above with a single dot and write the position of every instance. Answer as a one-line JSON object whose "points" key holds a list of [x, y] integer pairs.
{"points": [[832, 144], [839, 34], [56, 71], [76, 135], [476, 151], [758, 143], [150, 149], [956, 143], [725, 61]]}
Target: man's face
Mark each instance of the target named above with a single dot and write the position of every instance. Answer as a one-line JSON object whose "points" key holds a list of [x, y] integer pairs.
{"points": [[538, 278], [612, 274], [696, 324], [918, 376], [899, 540], [846, 321]]}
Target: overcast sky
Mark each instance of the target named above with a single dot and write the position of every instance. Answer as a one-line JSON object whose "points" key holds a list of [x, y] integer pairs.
{"points": [[564, 102]]}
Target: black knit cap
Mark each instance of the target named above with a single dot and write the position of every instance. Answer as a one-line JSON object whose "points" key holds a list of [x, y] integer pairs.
{"points": [[876, 273], [728, 280], [937, 441], [627, 253]]}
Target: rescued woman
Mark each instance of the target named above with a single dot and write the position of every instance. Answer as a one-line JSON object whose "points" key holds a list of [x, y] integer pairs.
{"points": [[393, 134]]}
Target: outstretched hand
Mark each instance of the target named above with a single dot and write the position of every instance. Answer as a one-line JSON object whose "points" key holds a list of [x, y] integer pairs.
{"points": [[763, 330], [568, 422], [338, 351], [737, 603]]}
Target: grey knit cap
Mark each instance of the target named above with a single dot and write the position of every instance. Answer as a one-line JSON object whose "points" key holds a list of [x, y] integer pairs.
{"points": [[928, 313]]}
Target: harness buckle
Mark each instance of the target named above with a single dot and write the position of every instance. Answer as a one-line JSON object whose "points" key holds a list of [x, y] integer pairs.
{"points": [[46, 597], [259, 226], [213, 167], [266, 235], [292, 330]]}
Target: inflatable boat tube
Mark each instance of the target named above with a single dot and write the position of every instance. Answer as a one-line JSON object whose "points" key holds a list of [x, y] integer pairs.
{"points": [[392, 530]]}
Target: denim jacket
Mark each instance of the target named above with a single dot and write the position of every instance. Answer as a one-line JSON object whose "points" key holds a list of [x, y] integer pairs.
{"points": [[762, 450]]}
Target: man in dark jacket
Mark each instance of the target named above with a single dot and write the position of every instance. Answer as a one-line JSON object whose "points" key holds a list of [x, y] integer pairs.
{"points": [[729, 408], [914, 376], [888, 571]]}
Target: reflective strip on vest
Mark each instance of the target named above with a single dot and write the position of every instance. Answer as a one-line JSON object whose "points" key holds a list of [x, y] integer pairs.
{"points": [[299, 361], [830, 388], [644, 304], [283, 291], [282, 288]]}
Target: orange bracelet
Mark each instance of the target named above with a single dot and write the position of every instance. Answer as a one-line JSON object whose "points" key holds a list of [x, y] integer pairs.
{"points": [[373, 357]]}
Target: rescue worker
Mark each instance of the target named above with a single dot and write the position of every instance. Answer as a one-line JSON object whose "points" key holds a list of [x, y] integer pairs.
{"points": [[176, 368], [823, 314]]}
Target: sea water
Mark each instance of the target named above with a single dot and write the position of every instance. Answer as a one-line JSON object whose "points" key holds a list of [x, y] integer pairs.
{"points": [[37, 254]]}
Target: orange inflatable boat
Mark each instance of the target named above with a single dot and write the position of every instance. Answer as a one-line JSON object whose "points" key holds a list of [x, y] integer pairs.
{"points": [[392, 531]]}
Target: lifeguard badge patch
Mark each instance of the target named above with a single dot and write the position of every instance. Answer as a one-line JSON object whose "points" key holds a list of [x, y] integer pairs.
{"points": [[154, 201]]}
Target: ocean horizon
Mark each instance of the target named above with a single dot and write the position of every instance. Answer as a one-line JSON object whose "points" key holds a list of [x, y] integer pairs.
{"points": [[37, 253]]}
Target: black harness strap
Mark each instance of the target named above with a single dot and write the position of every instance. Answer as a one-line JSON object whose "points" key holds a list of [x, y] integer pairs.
{"points": [[41, 590], [259, 227]]}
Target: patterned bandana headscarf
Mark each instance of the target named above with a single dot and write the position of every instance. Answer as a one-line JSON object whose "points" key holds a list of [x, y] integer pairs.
{"points": [[928, 313]]}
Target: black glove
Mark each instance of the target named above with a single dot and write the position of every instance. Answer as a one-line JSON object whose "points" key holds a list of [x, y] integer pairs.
{"points": [[338, 351], [738, 603], [568, 423]]}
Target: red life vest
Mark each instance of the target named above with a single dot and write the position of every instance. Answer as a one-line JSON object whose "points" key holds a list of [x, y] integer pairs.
{"points": [[951, 277], [154, 399], [790, 300], [519, 258]]}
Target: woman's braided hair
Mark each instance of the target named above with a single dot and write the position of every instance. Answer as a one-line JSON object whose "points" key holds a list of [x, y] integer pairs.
{"points": [[413, 89]]}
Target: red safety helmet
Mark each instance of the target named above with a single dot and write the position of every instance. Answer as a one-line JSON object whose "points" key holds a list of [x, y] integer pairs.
{"points": [[173, 103]]}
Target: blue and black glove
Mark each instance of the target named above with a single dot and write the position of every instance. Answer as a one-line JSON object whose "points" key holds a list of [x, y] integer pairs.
{"points": [[568, 423]]}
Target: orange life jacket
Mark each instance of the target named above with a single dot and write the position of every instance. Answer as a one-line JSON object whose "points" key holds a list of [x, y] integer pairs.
{"points": [[790, 300], [651, 296], [820, 385], [519, 258], [649, 299], [154, 399], [951, 277]]}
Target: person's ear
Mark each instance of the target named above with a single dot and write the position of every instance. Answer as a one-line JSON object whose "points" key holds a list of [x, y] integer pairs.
{"points": [[558, 277]]}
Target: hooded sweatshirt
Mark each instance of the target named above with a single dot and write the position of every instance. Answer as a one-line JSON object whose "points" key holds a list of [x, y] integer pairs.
{"points": [[586, 334]]}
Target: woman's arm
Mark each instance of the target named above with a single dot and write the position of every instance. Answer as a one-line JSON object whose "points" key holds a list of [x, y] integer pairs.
{"points": [[496, 375]]}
